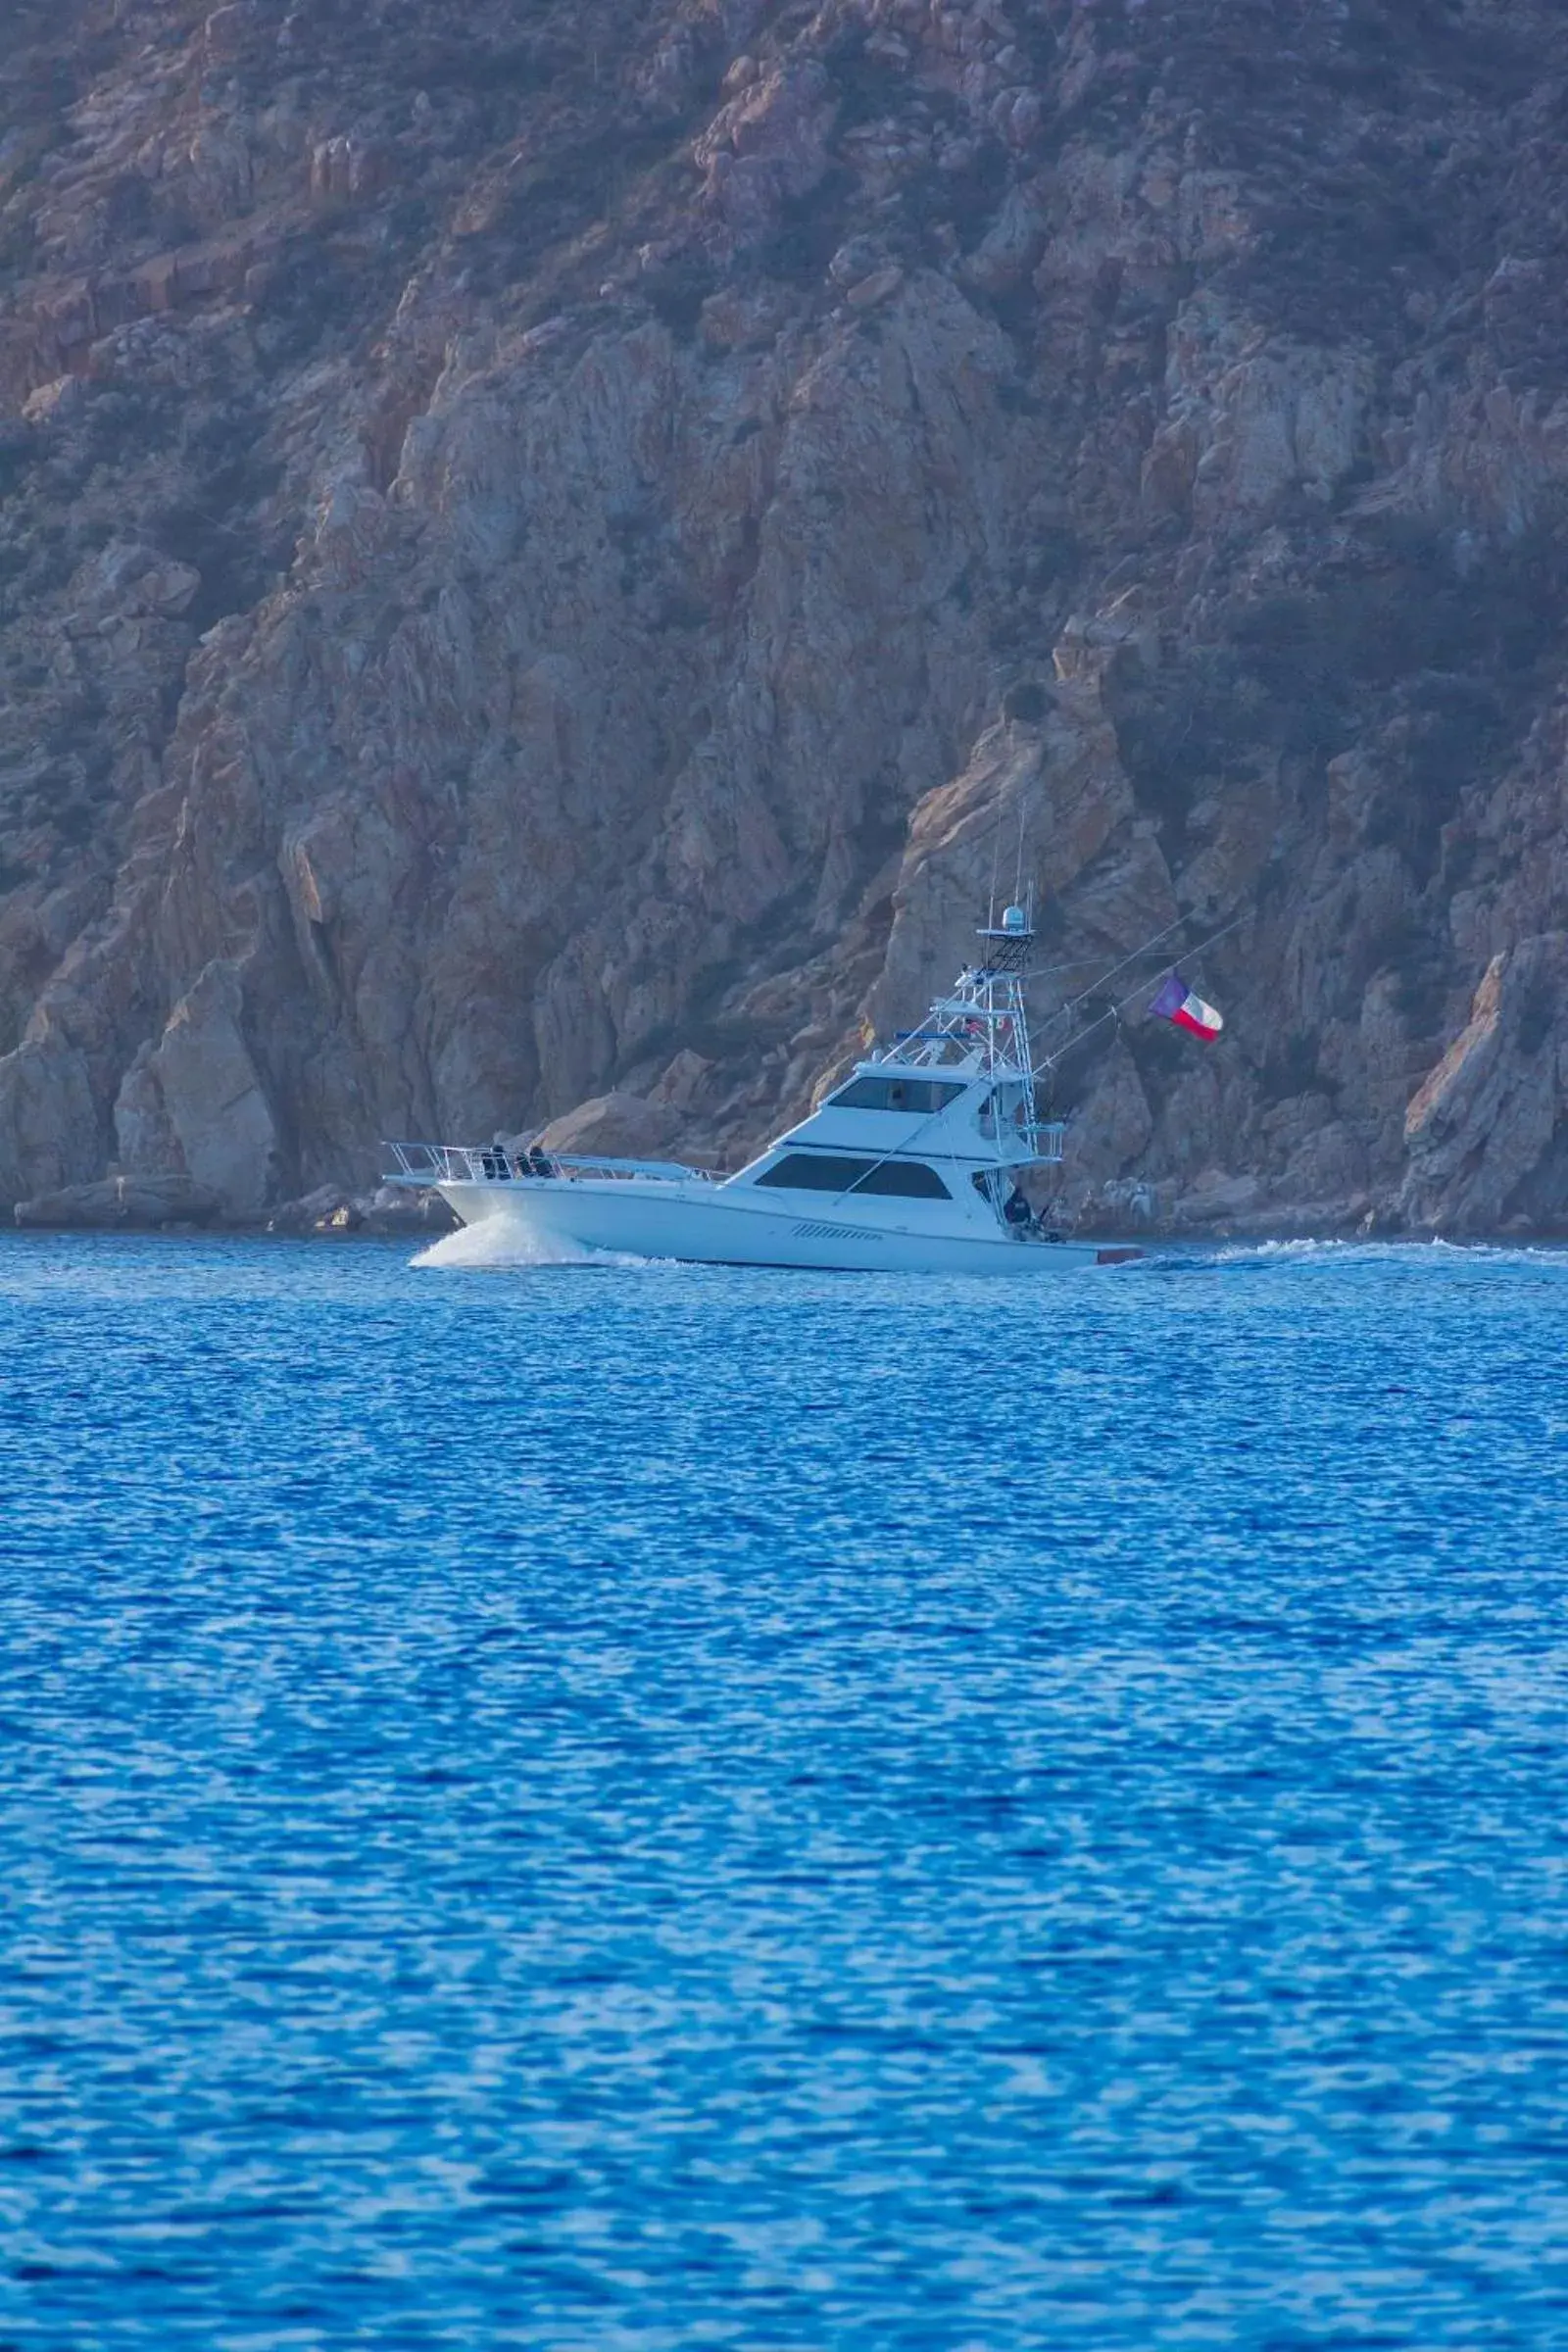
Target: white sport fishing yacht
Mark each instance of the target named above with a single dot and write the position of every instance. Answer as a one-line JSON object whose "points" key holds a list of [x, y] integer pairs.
{"points": [[909, 1164]]}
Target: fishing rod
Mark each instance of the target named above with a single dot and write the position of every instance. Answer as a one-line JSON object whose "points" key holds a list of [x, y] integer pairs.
{"points": [[1146, 948], [1137, 954], [1115, 1011], [1084, 963]]}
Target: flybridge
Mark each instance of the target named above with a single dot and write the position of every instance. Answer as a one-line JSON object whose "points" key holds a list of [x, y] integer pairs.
{"points": [[981, 1029]]}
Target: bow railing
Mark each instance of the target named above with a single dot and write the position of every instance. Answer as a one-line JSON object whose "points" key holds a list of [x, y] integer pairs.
{"points": [[427, 1165]]}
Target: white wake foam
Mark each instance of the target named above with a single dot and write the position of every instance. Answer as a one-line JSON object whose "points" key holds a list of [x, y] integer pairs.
{"points": [[497, 1242], [1348, 1250]]}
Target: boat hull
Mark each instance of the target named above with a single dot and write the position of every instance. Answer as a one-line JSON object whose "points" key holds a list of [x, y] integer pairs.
{"points": [[706, 1224]]}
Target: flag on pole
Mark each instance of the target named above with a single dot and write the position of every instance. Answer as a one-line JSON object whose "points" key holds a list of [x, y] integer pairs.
{"points": [[1176, 1003]]}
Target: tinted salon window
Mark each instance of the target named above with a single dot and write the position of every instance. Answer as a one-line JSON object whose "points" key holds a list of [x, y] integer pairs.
{"points": [[827, 1172]]}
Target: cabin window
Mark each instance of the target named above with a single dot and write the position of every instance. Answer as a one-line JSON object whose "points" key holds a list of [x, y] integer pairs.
{"points": [[827, 1172], [895, 1093]]}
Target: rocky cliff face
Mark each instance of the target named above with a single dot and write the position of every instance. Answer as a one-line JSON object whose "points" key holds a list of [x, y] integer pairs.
{"points": [[550, 549]]}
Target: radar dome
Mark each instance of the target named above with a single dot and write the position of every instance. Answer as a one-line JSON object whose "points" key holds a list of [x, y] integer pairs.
{"points": [[1013, 918]]}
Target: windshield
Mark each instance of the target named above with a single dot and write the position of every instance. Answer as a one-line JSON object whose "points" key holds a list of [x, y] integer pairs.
{"points": [[907, 1094]]}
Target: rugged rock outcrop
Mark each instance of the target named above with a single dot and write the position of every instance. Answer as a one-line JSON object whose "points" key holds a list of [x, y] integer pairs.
{"points": [[137, 1203], [552, 553], [390, 1213], [1481, 1131]]}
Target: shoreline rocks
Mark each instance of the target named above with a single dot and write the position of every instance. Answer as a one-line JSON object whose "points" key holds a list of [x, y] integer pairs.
{"points": [[122, 1205], [389, 1213]]}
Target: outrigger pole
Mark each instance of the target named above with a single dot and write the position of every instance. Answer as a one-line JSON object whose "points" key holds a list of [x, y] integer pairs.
{"points": [[1115, 1011]]}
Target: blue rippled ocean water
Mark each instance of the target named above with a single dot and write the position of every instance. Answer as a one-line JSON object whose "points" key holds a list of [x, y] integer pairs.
{"points": [[642, 1808]]}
